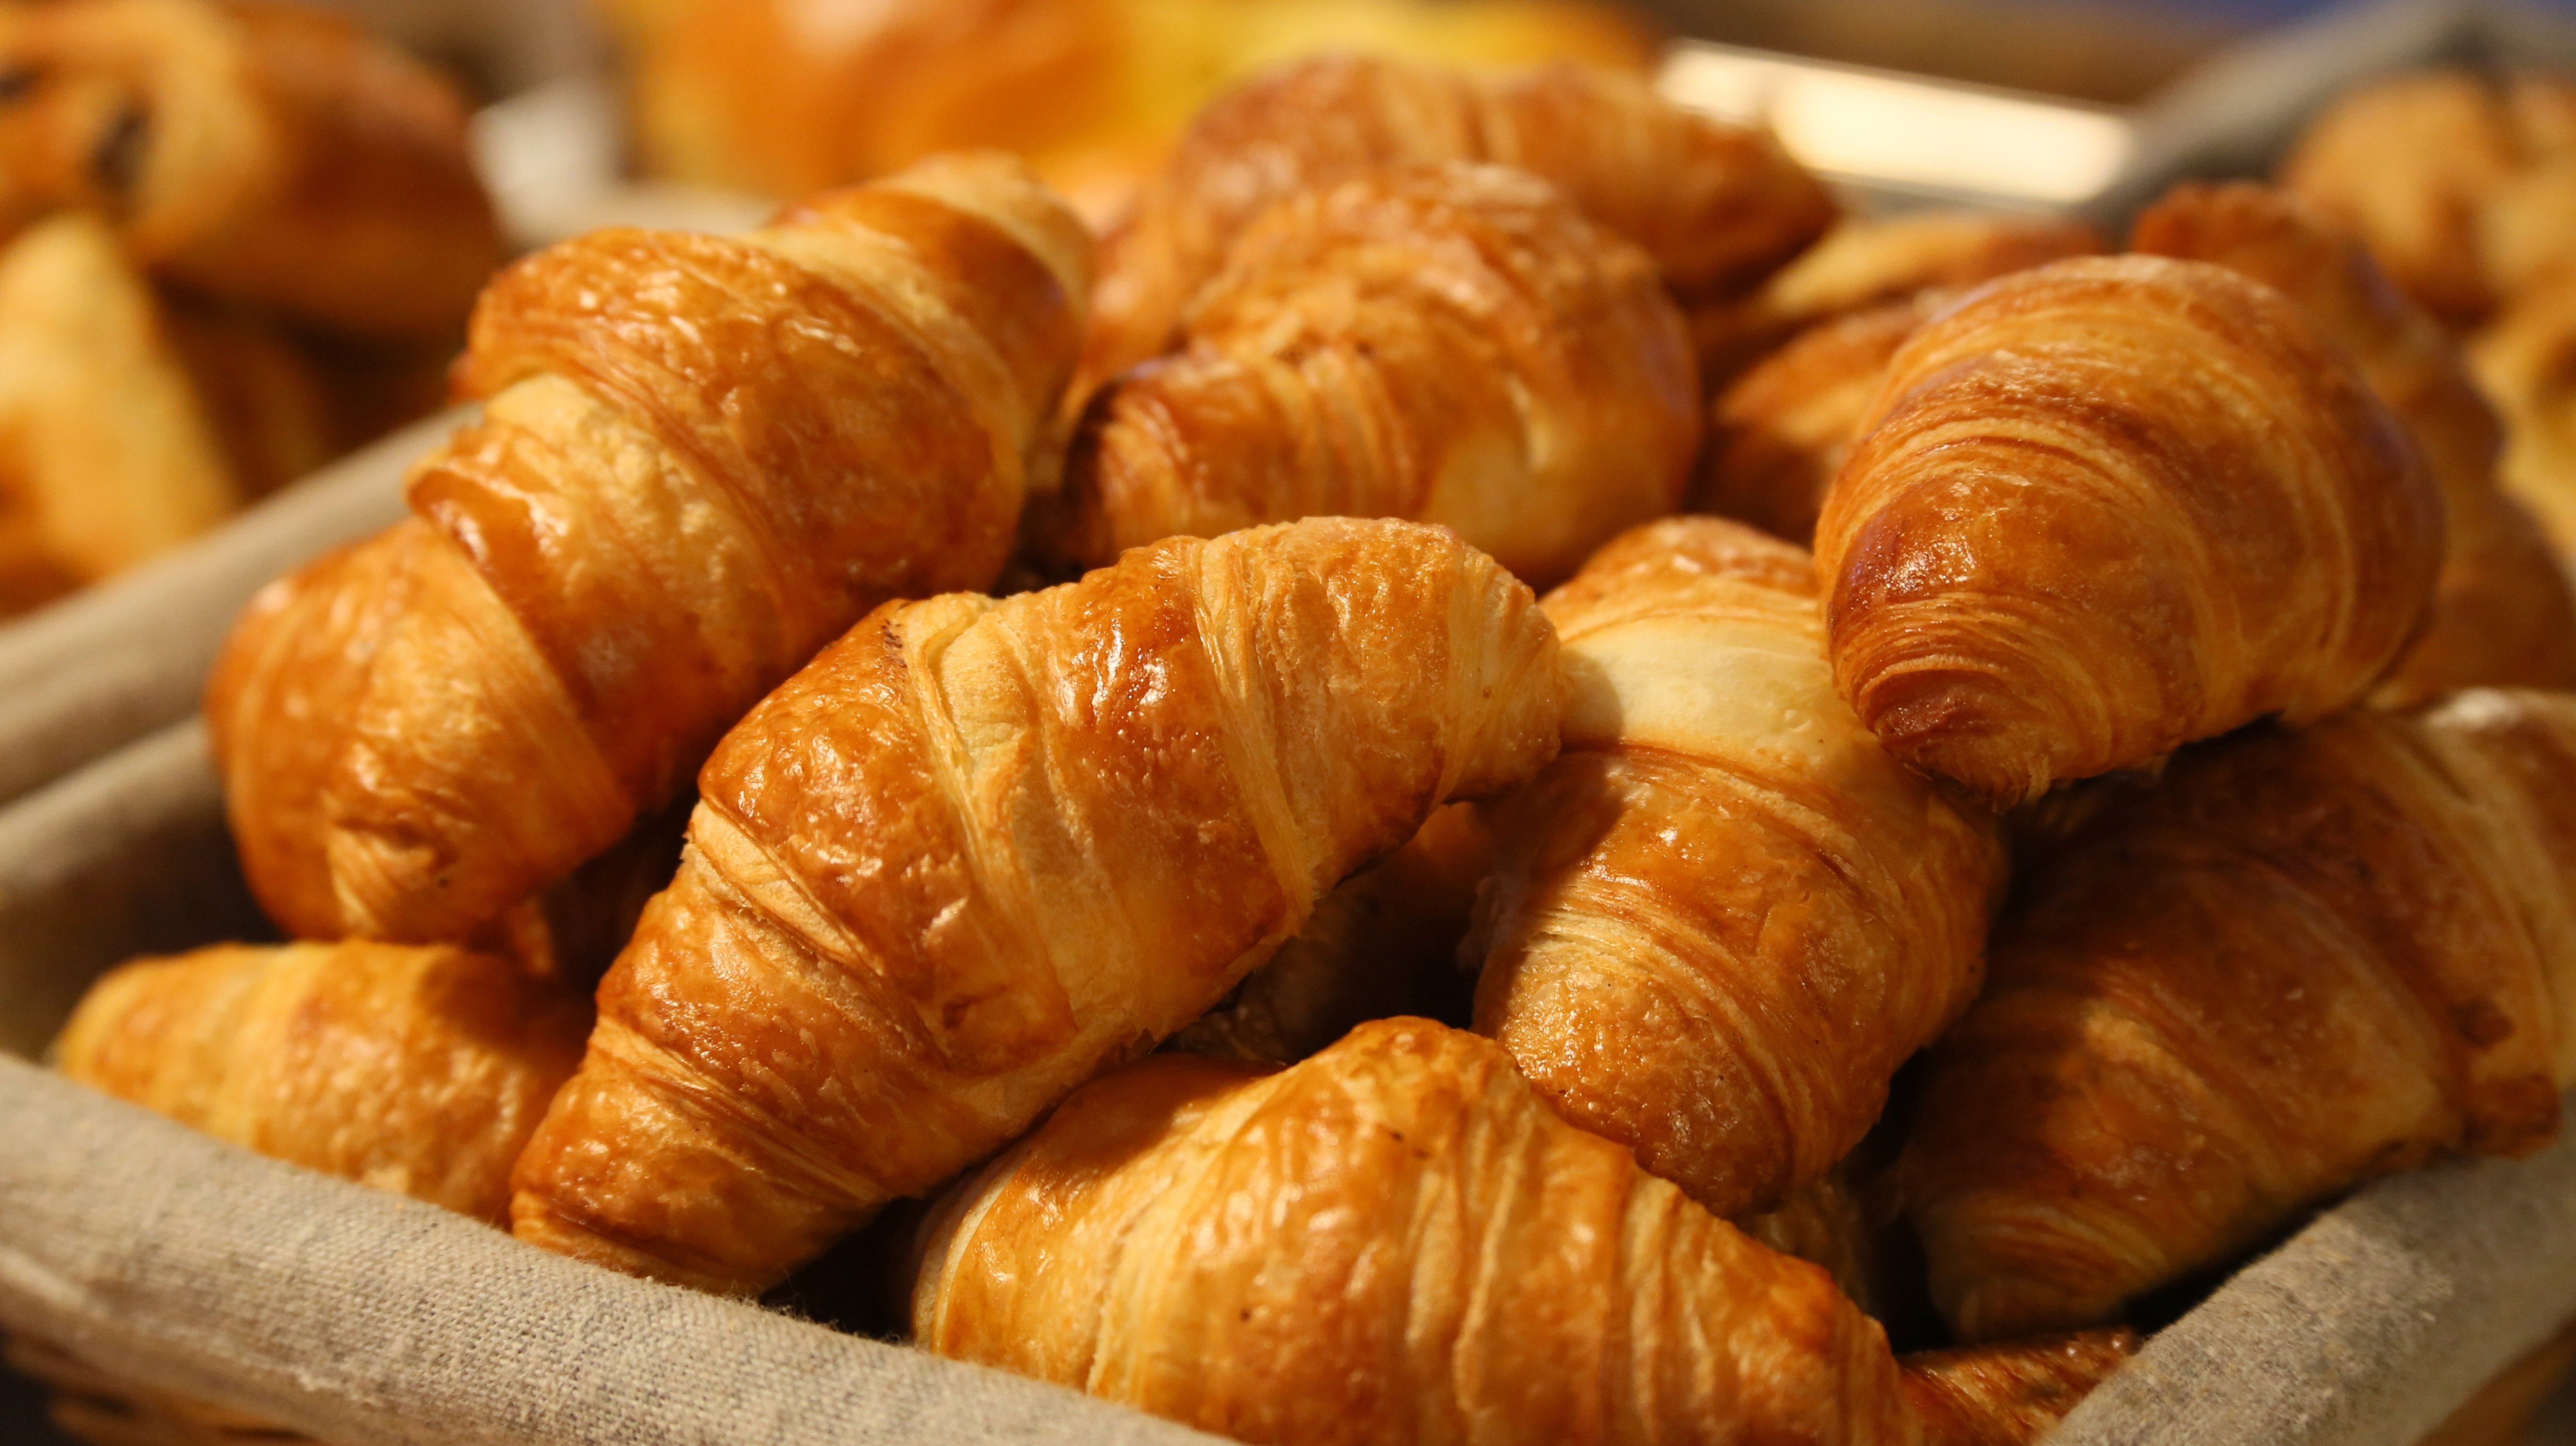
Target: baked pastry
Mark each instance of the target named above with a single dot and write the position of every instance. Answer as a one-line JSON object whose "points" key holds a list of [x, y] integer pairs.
{"points": [[2458, 181], [1862, 265], [263, 153], [770, 96], [979, 851], [415, 1070], [2112, 505], [1717, 206], [2501, 615], [701, 459], [1721, 920], [106, 457], [1385, 943], [1394, 1241], [1454, 344], [2527, 360], [2303, 959], [1780, 433], [2012, 1392]]}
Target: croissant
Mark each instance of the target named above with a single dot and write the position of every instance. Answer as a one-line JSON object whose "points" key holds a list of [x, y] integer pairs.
{"points": [[2305, 958], [1717, 206], [701, 460], [1454, 344], [1780, 432], [2012, 1393], [1385, 943], [1725, 915], [106, 457], [2112, 505], [416, 1070], [1394, 1241], [1862, 265], [2424, 168], [256, 151], [2501, 613], [979, 851], [2527, 361]]}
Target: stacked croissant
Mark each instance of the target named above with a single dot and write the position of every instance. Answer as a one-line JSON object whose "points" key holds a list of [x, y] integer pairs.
{"points": [[2134, 689], [237, 237]]}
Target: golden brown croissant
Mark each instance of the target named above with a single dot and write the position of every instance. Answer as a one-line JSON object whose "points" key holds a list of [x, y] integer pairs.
{"points": [[1385, 943], [106, 457], [702, 459], [1862, 265], [2112, 505], [2527, 361], [2303, 959], [2010, 1393], [979, 851], [1725, 916], [261, 152], [2501, 616], [1780, 433], [1392, 1242], [1455, 344], [1717, 206], [416, 1070]]}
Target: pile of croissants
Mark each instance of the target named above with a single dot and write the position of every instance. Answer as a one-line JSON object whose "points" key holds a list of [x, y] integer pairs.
{"points": [[1073, 738]]}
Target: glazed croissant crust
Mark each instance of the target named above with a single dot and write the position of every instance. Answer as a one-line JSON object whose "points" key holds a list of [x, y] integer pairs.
{"points": [[1725, 915], [2501, 615], [2112, 505], [416, 1070], [701, 460], [1717, 206], [2303, 959], [1454, 344], [2012, 1392], [979, 851], [265, 153], [1394, 1241]]}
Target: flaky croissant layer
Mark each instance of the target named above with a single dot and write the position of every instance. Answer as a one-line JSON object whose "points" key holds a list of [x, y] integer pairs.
{"points": [[2112, 505], [1725, 915], [416, 1070], [703, 458], [1393, 1242], [1454, 344], [979, 851], [2302, 959]]}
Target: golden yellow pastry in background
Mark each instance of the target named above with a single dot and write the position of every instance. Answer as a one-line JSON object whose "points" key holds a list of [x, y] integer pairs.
{"points": [[2301, 960], [1779, 433], [2109, 506], [789, 96], [2526, 358], [702, 458], [107, 457], [1392, 1242], [1452, 344], [980, 851], [1724, 916]]}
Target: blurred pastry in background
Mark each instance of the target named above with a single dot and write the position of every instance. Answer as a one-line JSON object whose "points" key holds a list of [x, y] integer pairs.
{"points": [[106, 455], [2461, 183], [2526, 360], [247, 237], [258, 152], [1862, 264], [789, 96]]}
